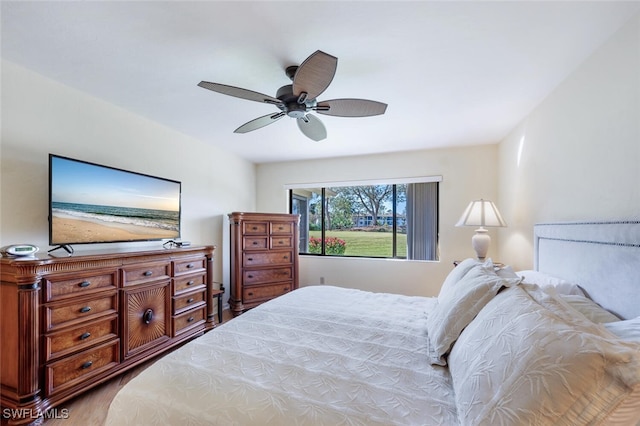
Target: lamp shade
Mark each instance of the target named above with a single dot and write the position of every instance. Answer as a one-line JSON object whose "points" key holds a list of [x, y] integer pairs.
{"points": [[481, 213]]}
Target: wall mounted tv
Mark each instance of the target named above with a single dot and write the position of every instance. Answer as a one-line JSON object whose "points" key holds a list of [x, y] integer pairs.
{"points": [[91, 203]]}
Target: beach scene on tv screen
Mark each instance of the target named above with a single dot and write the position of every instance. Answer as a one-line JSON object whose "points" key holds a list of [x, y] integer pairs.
{"points": [[91, 203]]}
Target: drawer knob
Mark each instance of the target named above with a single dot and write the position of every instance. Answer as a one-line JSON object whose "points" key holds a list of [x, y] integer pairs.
{"points": [[85, 284], [147, 316], [86, 365], [147, 273], [190, 265], [190, 300], [250, 259], [190, 319], [249, 276], [85, 309], [250, 293], [190, 282], [285, 257], [255, 243], [85, 336], [255, 228]]}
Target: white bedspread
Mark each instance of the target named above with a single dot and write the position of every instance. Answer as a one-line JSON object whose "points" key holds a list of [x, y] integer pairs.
{"points": [[320, 355]]}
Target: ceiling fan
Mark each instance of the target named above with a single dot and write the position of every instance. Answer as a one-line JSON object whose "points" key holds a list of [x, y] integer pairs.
{"points": [[297, 100]]}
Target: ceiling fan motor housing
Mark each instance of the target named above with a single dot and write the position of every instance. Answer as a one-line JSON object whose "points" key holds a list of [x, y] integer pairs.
{"points": [[290, 103]]}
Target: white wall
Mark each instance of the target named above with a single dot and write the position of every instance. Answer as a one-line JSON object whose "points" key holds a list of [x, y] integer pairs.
{"points": [[468, 173], [40, 116], [580, 155]]}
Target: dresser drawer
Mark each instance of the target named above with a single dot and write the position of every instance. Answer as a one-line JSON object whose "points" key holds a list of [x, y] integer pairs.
{"points": [[146, 317], [188, 301], [188, 266], [253, 294], [260, 276], [254, 228], [59, 315], [267, 258], [188, 320], [188, 283], [281, 242], [254, 243], [56, 288], [282, 228], [81, 337], [80, 368], [141, 274]]}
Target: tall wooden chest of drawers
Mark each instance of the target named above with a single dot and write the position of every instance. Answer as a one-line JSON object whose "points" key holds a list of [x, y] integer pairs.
{"points": [[69, 323], [264, 258]]}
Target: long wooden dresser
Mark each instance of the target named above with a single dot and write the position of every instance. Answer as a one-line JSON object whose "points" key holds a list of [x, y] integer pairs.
{"points": [[264, 258], [70, 323]]}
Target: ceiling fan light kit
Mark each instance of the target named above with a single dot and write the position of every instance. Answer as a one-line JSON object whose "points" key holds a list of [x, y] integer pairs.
{"points": [[296, 100]]}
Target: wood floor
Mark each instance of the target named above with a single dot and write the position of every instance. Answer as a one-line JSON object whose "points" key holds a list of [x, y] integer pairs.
{"points": [[90, 409]]}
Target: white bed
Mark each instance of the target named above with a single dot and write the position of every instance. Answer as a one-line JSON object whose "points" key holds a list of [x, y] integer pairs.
{"points": [[325, 355]]}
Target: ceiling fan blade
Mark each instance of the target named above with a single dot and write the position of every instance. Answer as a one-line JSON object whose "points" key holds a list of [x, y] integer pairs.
{"points": [[315, 74], [259, 122], [351, 107], [240, 93], [312, 127]]}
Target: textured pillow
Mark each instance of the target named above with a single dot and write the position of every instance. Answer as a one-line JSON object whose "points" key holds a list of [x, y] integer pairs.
{"points": [[589, 308], [458, 306], [527, 358], [627, 329], [457, 274], [546, 281]]}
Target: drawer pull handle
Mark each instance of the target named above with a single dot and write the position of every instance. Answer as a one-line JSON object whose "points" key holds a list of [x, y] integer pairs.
{"points": [[281, 242], [255, 243], [249, 276], [86, 365], [190, 319], [250, 259], [147, 316], [250, 293], [190, 300], [85, 284], [190, 282], [285, 257], [85, 336], [254, 228], [190, 265], [85, 309], [147, 273]]}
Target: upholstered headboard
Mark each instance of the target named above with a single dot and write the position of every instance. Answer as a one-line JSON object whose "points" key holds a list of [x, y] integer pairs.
{"points": [[602, 257]]}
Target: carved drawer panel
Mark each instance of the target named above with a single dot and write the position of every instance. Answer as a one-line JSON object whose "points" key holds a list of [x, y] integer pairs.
{"points": [[78, 338], [281, 242], [254, 243], [80, 368], [267, 275], [189, 320], [61, 287], [61, 315], [282, 227], [146, 318], [188, 301], [254, 228], [267, 258], [190, 265], [141, 274], [188, 283], [254, 294]]}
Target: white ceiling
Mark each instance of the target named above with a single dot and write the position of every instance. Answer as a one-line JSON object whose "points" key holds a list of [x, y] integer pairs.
{"points": [[453, 73]]}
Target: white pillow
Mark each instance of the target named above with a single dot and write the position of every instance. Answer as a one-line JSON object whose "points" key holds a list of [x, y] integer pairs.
{"points": [[457, 274], [589, 308], [528, 359], [458, 305], [626, 329], [546, 281]]}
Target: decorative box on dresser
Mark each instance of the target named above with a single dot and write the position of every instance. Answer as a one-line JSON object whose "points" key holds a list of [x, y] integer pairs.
{"points": [[70, 323], [264, 258]]}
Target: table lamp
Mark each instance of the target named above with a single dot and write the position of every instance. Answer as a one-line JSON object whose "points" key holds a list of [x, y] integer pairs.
{"points": [[481, 213]]}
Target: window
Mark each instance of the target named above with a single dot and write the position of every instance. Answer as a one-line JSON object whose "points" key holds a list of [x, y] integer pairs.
{"points": [[381, 220]]}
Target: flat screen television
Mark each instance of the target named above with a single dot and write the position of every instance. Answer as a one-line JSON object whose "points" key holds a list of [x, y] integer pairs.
{"points": [[92, 203]]}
